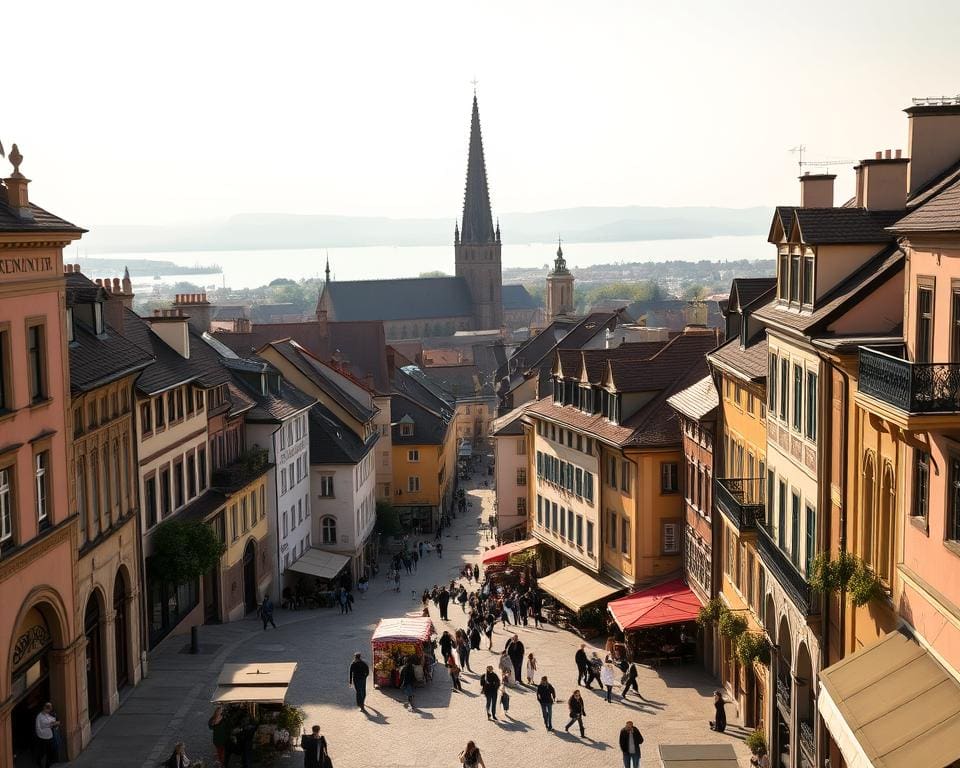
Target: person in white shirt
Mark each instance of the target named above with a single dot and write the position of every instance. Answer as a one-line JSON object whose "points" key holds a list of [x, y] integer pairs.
{"points": [[43, 727], [608, 677]]}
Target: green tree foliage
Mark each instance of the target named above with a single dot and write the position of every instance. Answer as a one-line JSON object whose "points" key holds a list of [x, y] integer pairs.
{"points": [[641, 290], [433, 273], [281, 281], [184, 551], [185, 287]]}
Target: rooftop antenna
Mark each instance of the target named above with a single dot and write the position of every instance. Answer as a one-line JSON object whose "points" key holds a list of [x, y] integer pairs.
{"points": [[801, 163], [799, 150]]}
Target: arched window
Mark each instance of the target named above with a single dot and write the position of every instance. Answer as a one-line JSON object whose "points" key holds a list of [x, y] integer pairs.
{"points": [[885, 543], [82, 497], [95, 502], [328, 530], [867, 509]]}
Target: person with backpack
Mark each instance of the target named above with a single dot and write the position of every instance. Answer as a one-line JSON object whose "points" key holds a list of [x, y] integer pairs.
{"points": [[266, 612], [546, 695]]}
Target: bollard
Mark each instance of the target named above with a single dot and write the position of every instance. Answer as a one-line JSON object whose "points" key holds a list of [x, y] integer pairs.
{"points": [[194, 639]]}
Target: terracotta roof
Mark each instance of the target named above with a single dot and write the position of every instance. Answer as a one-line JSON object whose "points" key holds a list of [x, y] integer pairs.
{"points": [[844, 225], [658, 371], [593, 424], [698, 401], [873, 273], [750, 362], [508, 424]]}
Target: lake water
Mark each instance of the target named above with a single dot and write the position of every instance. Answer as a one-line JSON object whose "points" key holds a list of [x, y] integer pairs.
{"points": [[250, 269]]}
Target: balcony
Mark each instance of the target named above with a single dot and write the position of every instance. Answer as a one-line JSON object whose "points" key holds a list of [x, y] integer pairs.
{"points": [[781, 568], [741, 500], [912, 395], [247, 468], [807, 743]]}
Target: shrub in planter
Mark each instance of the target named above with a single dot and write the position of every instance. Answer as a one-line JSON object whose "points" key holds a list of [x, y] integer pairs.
{"points": [[291, 719], [756, 742], [711, 612], [731, 625], [751, 647], [863, 586]]}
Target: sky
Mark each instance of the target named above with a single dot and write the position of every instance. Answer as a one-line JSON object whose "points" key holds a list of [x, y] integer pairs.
{"points": [[156, 113]]}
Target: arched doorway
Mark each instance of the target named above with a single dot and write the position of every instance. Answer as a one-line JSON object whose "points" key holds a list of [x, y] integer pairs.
{"points": [[250, 576], [94, 657], [806, 708], [33, 678], [120, 629], [784, 697]]}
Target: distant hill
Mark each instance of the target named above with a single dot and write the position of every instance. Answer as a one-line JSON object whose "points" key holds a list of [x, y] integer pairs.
{"points": [[256, 231]]}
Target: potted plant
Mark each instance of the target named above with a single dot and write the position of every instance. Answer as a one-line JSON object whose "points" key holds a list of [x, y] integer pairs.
{"points": [[731, 625]]}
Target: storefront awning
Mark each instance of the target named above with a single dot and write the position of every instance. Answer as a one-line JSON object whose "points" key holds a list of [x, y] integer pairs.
{"points": [[669, 603], [502, 553], [575, 588], [892, 705], [319, 563], [264, 683], [698, 756]]}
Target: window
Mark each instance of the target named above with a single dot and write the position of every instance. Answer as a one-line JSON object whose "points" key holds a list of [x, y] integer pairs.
{"points": [[671, 539], [244, 514], [795, 528], [328, 530], [808, 281], [539, 464], [539, 510], [613, 530], [178, 499], [199, 399], [811, 538], [580, 531], [6, 504], [589, 537], [202, 467], [37, 362], [625, 536], [326, 486], [772, 384], [578, 482], [669, 477], [795, 277], [521, 476], [521, 446], [146, 418], [797, 396], [625, 476], [555, 525], [954, 328], [783, 269], [42, 481], [191, 476], [782, 516], [164, 492], [150, 491], [570, 524], [235, 529], [285, 528], [811, 422], [522, 506], [413, 455], [158, 408], [953, 523], [784, 391], [413, 484], [588, 486], [563, 523], [6, 384], [924, 351], [612, 471], [921, 485]]}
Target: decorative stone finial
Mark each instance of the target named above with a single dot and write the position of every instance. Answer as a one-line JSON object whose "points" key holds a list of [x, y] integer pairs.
{"points": [[15, 159]]}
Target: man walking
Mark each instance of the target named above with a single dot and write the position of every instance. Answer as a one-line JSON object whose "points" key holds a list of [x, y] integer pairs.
{"points": [[490, 685], [359, 671], [408, 679], [266, 612], [314, 749], [546, 695], [630, 741], [443, 601], [515, 650], [581, 658]]}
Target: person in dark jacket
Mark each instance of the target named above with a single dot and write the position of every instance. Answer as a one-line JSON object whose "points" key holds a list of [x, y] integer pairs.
{"points": [[577, 712], [446, 644], [179, 757], [719, 724], [407, 680], [266, 612], [359, 671], [490, 685], [515, 651], [443, 600], [630, 681], [581, 658], [546, 695], [314, 749], [476, 573], [630, 741]]}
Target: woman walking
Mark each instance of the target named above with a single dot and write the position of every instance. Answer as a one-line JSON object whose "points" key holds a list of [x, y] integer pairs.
{"points": [[454, 670], [577, 712], [471, 757], [608, 677]]}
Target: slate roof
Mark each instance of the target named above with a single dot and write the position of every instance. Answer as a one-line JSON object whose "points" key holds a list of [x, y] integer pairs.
{"points": [[749, 362], [873, 273], [517, 297], [698, 401], [460, 381], [230, 312], [412, 298], [477, 220], [933, 187], [783, 214], [939, 213], [428, 427], [410, 381], [42, 221], [332, 442], [748, 289], [844, 225], [97, 359]]}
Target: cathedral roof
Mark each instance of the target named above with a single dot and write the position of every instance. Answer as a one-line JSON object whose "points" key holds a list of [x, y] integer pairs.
{"points": [[477, 220], [414, 298], [517, 297]]}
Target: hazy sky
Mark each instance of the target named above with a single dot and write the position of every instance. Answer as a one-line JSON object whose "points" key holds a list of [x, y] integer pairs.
{"points": [[133, 112]]}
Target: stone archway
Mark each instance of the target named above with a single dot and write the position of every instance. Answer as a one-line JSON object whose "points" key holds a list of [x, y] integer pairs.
{"points": [[124, 629], [95, 654], [806, 706], [780, 754]]}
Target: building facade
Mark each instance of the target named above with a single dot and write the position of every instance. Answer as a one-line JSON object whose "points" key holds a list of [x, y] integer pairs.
{"points": [[511, 482]]}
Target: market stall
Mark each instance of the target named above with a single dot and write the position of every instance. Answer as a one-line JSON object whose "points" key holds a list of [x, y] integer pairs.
{"points": [[395, 640], [253, 697], [577, 602], [658, 623]]}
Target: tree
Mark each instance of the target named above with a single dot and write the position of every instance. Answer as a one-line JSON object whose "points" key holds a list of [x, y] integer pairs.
{"points": [[693, 292], [185, 287], [281, 281], [433, 273], [184, 551], [388, 519]]}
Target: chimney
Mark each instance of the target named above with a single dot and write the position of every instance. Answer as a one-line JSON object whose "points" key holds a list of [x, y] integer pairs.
{"points": [[882, 181], [198, 307], [933, 138], [171, 325], [241, 325], [119, 297], [16, 184], [816, 190], [695, 313]]}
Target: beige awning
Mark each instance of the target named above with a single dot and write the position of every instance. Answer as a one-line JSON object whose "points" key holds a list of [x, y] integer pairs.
{"points": [[575, 588], [238, 694], [892, 705], [698, 756], [263, 683], [319, 563]]}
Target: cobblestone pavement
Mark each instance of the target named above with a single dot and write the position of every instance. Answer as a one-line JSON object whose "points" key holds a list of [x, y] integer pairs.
{"points": [[173, 702]]}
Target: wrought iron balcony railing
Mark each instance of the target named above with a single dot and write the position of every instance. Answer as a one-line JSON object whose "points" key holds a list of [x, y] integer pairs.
{"points": [[783, 693], [807, 743], [916, 388], [741, 500], [781, 567]]}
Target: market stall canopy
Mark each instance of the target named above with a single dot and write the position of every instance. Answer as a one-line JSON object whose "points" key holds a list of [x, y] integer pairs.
{"points": [[698, 756], [502, 553], [574, 588], [668, 603], [264, 683], [892, 705], [403, 630], [319, 563]]}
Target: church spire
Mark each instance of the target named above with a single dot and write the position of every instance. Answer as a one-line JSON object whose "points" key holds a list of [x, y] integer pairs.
{"points": [[477, 220], [327, 270]]}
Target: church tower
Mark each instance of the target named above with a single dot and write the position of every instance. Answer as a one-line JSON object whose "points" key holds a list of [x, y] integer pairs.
{"points": [[477, 242], [559, 288]]}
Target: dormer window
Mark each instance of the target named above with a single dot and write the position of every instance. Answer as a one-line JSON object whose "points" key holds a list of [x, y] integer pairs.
{"points": [[557, 392], [783, 270], [808, 281], [98, 318], [406, 430], [795, 277]]}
